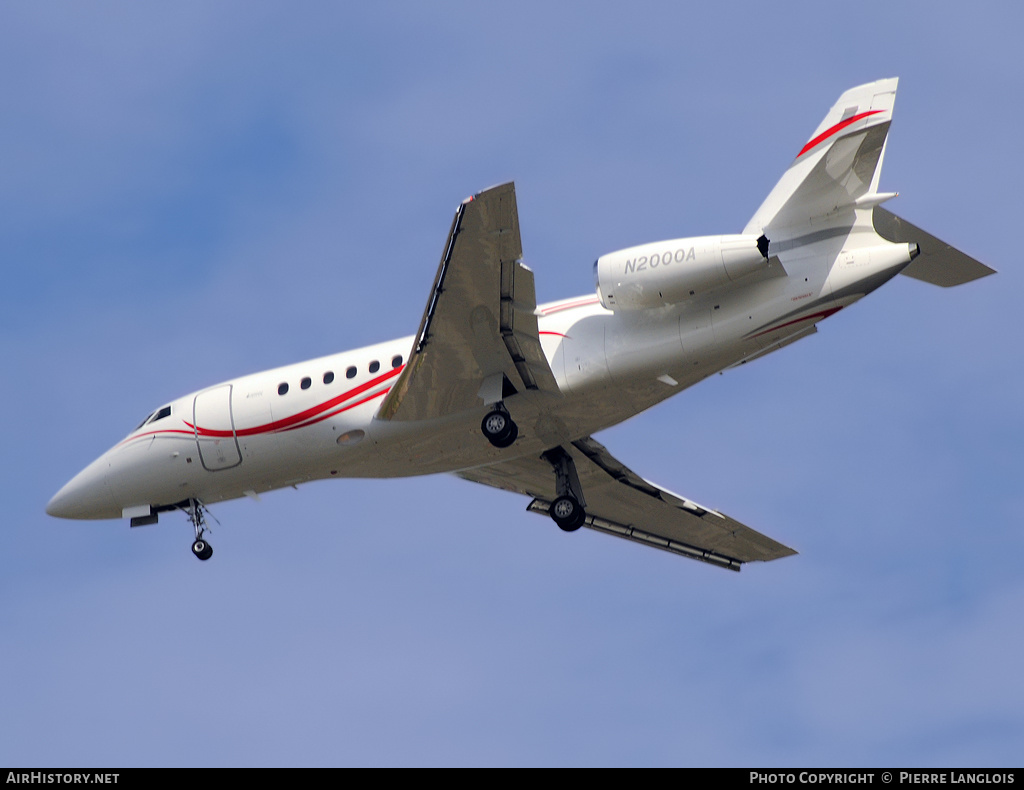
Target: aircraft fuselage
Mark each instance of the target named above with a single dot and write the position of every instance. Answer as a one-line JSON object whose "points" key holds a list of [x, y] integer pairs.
{"points": [[316, 419]]}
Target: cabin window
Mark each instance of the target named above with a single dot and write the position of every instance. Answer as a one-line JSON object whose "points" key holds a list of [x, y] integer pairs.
{"points": [[396, 362], [305, 383], [350, 373], [282, 388], [374, 366], [328, 377]]}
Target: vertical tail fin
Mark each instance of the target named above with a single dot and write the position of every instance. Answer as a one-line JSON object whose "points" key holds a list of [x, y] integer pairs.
{"points": [[837, 169]]}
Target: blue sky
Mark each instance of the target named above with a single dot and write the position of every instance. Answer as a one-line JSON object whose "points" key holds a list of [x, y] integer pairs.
{"points": [[191, 195]]}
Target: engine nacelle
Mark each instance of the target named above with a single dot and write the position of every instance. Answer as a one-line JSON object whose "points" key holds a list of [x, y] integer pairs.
{"points": [[668, 272]]}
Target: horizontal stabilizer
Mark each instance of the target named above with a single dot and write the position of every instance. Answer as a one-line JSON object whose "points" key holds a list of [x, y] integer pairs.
{"points": [[938, 263]]}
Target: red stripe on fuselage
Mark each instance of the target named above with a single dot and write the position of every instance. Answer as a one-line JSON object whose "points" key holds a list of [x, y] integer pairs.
{"points": [[568, 305], [328, 415], [207, 433], [305, 417], [833, 129], [819, 316], [190, 433]]}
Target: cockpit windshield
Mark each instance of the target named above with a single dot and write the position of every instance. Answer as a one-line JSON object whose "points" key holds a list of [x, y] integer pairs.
{"points": [[159, 414]]}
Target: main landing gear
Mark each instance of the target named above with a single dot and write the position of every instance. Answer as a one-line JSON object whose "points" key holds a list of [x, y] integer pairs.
{"points": [[567, 513], [499, 428], [196, 512], [568, 508]]}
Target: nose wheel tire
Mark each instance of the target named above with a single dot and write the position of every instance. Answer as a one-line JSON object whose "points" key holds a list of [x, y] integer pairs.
{"points": [[567, 513], [196, 512], [499, 428], [202, 549]]}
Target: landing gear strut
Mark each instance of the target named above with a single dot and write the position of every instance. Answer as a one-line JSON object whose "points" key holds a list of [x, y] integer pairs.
{"points": [[499, 428], [196, 512], [568, 508]]}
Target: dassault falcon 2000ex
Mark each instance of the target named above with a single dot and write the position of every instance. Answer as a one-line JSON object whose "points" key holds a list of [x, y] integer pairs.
{"points": [[501, 391]]}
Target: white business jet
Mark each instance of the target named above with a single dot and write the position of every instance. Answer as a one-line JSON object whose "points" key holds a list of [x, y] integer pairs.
{"points": [[500, 391]]}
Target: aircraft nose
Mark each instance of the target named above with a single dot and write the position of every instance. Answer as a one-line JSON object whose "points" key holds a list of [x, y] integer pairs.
{"points": [[85, 496]]}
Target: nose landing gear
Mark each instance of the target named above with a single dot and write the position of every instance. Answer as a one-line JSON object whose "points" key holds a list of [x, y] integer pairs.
{"points": [[202, 549], [196, 512]]}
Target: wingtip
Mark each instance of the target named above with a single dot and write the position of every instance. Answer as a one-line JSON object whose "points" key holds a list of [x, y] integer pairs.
{"points": [[509, 186]]}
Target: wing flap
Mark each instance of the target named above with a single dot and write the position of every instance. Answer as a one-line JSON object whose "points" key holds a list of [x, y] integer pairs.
{"points": [[620, 502], [542, 507], [479, 322]]}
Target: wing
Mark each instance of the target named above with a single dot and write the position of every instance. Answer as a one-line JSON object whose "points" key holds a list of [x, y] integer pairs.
{"points": [[938, 263], [478, 338], [619, 502]]}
